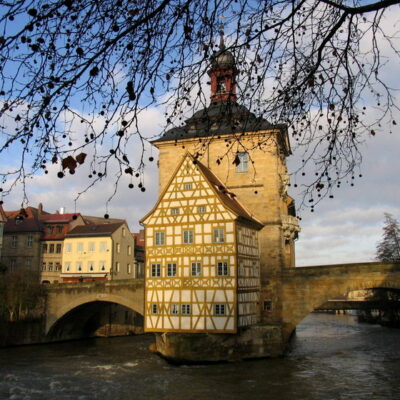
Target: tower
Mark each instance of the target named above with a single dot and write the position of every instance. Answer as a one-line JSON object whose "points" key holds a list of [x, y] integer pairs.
{"points": [[247, 154]]}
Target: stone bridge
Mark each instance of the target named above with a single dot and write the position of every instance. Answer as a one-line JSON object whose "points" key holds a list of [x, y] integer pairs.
{"points": [[64, 298], [304, 289]]}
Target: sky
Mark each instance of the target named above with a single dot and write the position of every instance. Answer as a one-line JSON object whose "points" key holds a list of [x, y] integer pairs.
{"points": [[344, 229]]}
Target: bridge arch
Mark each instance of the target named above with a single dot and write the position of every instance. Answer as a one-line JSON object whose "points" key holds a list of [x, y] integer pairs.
{"points": [[63, 299], [307, 288]]}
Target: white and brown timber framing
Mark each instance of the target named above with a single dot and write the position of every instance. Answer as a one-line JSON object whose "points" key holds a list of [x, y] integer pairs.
{"points": [[223, 297]]}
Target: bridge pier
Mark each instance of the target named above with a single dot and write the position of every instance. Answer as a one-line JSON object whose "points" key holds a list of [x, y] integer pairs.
{"points": [[257, 341]]}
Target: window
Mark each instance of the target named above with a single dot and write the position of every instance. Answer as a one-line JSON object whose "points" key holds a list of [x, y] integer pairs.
{"points": [[103, 246], [50, 266], [128, 269], [187, 237], [43, 266], [174, 309], [14, 241], [58, 266], [155, 270], [13, 263], [117, 247], [243, 162], [44, 248], [79, 266], [171, 269], [267, 305], [129, 249], [51, 248], [90, 266], [201, 209], [196, 269], [68, 247], [221, 84], [222, 269], [59, 229], [187, 186], [160, 238], [117, 266], [67, 266], [219, 235], [91, 247], [58, 248], [123, 232], [186, 309], [28, 262], [102, 265], [29, 241], [80, 247], [175, 211], [50, 229], [219, 309], [154, 309]]}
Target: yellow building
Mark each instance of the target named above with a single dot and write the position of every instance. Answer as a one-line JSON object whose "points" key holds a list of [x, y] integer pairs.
{"points": [[202, 258], [98, 252], [248, 155], [55, 227]]}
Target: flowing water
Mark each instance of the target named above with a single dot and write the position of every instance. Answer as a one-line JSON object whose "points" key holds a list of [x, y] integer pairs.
{"points": [[331, 358]]}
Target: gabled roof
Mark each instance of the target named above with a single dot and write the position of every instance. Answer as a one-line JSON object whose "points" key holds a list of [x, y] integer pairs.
{"points": [[58, 218], [101, 220], [227, 198], [94, 230], [23, 220]]}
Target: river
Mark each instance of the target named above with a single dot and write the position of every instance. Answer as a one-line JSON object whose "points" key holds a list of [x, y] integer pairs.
{"points": [[331, 358]]}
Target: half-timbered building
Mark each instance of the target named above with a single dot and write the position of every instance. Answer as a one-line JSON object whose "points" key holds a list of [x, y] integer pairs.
{"points": [[202, 256]]}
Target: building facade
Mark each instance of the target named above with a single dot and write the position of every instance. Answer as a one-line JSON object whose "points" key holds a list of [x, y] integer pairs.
{"points": [[55, 228], [21, 240], [248, 155], [202, 257], [98, 252]]}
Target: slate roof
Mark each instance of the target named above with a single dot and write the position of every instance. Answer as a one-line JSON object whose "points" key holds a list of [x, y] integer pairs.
{"points": [[94, 229], [220, 118]]}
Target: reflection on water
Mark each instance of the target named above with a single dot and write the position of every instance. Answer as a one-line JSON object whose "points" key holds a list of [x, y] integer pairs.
{"points": [[331, 358]]}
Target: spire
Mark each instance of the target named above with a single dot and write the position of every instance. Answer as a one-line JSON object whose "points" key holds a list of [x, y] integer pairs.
{"points": [[221, 40]]}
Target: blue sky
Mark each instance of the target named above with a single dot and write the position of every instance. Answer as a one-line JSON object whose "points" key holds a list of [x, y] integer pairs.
{"points": [[343, 229]]}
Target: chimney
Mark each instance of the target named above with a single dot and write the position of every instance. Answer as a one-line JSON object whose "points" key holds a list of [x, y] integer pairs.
{"points": [[62, 210], [40, 209]]}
